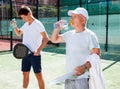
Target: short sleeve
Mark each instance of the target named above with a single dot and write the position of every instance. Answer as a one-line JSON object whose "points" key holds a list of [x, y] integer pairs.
{"points": [[94, 43], [40, 27], [65, 35], [23, 27]]}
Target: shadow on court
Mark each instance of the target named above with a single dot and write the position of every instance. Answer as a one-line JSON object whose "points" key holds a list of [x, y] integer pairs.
{"points": [[111, 57]]}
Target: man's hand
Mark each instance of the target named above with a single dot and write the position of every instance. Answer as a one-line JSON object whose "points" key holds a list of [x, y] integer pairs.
{"points": [[81, 69], [96, 51], [59, 25], [36, 53]]}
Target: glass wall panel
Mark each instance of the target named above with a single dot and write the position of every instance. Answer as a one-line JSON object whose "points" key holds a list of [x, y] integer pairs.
{"points": [[114, 26], [4, 24]]}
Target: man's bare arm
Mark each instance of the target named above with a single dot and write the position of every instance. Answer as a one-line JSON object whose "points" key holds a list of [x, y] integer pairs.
{"points": [[18, 31], [56, 38], [44, 42]]}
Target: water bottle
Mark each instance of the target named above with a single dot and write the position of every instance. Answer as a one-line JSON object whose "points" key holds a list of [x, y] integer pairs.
{"points": [[63, 24], [12, 23]]}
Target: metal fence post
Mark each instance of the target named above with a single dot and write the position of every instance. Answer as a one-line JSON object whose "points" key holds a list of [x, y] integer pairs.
{"points": [[11, 32], [107, 12], [37, 3]]}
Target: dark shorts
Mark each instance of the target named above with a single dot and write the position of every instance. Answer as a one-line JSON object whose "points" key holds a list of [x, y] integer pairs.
{"points": [[34, 61]]}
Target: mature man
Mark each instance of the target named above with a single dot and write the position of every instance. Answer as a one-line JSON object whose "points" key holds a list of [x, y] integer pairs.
{"points": [[80, 43]]}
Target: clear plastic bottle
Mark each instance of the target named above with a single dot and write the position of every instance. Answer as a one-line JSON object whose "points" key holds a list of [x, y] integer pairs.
{"points": [[63, 24], [12, 23]]}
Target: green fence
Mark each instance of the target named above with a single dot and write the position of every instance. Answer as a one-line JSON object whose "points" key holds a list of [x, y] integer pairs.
{"points": [[104, 17]]}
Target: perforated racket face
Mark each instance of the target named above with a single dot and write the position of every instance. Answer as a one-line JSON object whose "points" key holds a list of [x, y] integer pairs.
{"points": [[20, 51]]}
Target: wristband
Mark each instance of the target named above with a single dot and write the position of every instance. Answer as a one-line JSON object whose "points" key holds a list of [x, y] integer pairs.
{"points": [[85, 67]]}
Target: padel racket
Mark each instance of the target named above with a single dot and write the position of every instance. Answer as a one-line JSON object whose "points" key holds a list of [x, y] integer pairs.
{"points": [[20, 51]]}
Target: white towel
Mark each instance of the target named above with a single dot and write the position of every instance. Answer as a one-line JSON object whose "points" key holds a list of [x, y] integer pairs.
{"points": [[96, 80]]}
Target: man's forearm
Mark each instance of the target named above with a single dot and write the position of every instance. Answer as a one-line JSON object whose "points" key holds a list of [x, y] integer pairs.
{"points": [[44, 42], [17, 31], [82, 68], [55, 35]]}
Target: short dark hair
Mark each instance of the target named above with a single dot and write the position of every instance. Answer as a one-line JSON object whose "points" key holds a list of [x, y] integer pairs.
{"points": [[24, 10]]}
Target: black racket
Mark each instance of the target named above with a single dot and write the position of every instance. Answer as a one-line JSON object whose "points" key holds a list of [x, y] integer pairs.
{"points": [[20, 51]]}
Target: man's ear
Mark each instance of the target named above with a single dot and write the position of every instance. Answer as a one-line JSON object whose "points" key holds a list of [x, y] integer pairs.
{"points": [[29, 14], [84, 20]]}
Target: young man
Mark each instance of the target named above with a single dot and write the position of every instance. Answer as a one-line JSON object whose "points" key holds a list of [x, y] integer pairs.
{"points": [[80, 43], [35, 38]]}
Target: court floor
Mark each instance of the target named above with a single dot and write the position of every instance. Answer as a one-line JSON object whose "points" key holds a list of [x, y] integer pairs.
{"points": [[53, 65]]}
